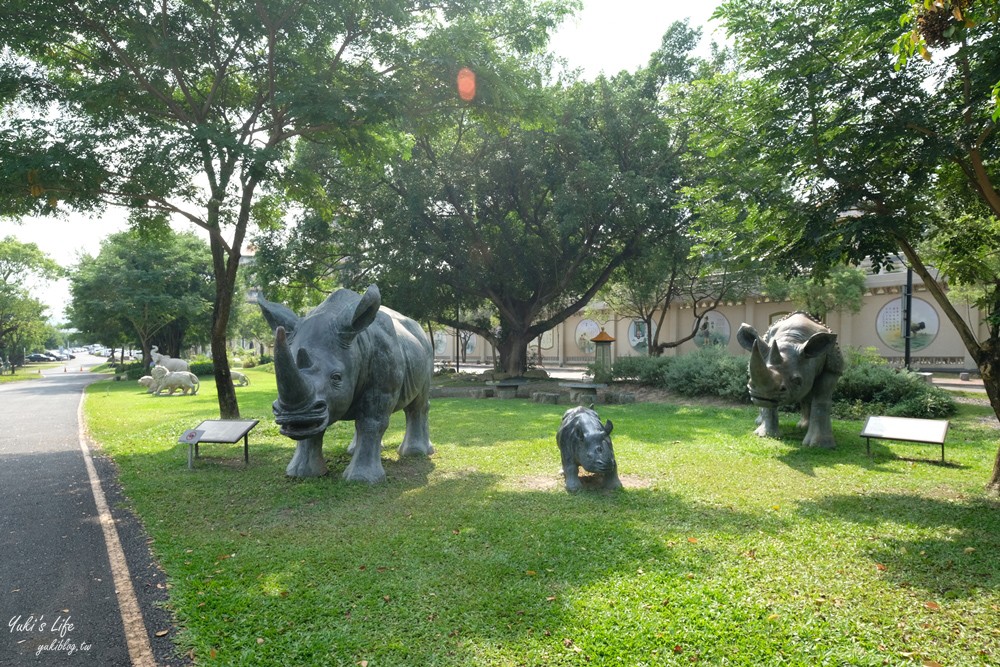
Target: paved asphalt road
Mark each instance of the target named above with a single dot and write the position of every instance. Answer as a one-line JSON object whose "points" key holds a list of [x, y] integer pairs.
{"points": [[60, 601]]}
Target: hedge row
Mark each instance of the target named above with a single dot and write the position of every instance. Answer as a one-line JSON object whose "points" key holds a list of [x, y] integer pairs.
{"points": [[868, 385]]}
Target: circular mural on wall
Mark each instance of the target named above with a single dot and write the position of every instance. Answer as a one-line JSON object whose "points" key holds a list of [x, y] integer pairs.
{"points": [[548, 340], [924, 325], [638, 335], [440, 342], [586, 330], [714, 330]]}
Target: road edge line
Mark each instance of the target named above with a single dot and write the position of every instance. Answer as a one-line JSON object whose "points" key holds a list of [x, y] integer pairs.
{"points": [[136, 635]]}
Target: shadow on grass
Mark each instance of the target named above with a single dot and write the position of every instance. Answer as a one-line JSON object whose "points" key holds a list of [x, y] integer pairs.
{"points": [[963, 556], [882, 452], [446, 565]]}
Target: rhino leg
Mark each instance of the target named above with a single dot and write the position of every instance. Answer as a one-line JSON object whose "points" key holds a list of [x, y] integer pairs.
{"points": [[366, 462], [768, 421], [820, 432], [611, 480], [308, 458], [570, 467], [417, 440], [572, 475], [806, 411]]}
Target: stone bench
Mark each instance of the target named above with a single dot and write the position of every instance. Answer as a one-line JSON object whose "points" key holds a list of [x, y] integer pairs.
{"points": [[905, 429], [508, 387], [551, 398], [582, 392]]}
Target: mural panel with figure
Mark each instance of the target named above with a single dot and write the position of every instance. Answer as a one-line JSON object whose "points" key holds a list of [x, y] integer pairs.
{"points": [[924, 325], [714, 330]]}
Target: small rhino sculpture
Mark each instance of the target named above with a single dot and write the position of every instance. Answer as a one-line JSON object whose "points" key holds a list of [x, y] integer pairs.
{"points": [[584, 441], [239, 379], [797, 361], [350, 359]]}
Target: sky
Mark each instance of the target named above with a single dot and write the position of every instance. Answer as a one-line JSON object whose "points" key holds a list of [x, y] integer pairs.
{"points": [[605, 36]]}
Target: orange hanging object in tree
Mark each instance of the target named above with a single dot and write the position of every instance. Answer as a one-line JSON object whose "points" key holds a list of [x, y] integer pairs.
{"points": [[466, 84]]}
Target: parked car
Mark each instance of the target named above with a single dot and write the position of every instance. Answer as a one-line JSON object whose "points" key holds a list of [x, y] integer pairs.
{"points": [[40, 356]]}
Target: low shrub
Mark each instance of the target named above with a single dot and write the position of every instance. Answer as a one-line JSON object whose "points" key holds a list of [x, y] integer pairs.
{"points": [[245, 358], [135, 370], [709, 371], [647, 371], [870, 386], [202, 368]]}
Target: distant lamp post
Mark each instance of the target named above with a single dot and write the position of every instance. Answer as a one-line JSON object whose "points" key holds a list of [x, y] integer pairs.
{"points": [[602, 353]]}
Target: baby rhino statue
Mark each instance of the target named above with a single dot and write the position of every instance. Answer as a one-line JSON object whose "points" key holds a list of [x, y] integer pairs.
{"points": [[350, 359], [584, 441], [798, 361]]}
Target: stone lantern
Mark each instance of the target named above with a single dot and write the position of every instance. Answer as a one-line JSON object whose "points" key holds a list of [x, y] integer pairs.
{"points": [[602, 352]]}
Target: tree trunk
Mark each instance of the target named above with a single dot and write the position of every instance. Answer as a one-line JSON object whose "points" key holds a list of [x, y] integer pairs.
{"points": [[225, 282], [513, 350], [985, 354], [650, 339], [229, 407], [989, 369]]}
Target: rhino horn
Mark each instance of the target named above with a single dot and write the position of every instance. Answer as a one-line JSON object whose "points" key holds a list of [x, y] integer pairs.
{"points": [[293, 392], [760, 374], [774, 354]]}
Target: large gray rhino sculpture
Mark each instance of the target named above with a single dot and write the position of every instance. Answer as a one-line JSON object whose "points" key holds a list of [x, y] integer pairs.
{"points": [[798, 361], [350, 359]]}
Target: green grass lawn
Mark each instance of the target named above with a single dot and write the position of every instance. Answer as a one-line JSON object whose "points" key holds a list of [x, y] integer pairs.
{"points": [[723, 548], [30, 372]]}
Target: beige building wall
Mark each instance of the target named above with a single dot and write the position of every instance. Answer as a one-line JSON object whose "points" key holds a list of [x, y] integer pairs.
{"points": [[935, 344]]}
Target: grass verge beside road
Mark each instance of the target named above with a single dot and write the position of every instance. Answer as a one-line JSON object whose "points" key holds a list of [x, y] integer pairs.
{"points": [[24, 373], [723, 548]]}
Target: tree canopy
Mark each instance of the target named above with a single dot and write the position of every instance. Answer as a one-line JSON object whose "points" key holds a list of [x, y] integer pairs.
{"points": [[875, 154], [190, 109], [139, 284], [531, 216], [22, 317]]}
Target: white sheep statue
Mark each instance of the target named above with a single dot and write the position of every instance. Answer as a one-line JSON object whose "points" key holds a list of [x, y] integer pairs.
{"points": [[148, 382], [239, 379]]}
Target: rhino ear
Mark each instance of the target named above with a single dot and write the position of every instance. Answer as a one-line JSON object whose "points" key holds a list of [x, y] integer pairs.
{"points": [[608, 426], [746, 336], [819, 344], [364, 314], [278, 315]]}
